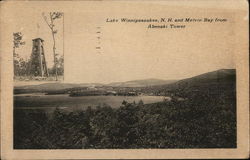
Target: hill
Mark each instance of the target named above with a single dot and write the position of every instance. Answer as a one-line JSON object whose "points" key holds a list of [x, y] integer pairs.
{"points": [[61, 87], [219, 77], [200, 114], [47, 87], [141, 83], [223, 79]]}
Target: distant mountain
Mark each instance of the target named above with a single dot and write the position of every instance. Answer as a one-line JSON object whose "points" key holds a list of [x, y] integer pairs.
{"points": [[60, 86], [219, 77], [48, 87], [223, 77], [53, 86], [141, 83]]}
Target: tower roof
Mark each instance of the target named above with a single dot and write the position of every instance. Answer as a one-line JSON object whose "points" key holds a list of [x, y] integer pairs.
{"points": [[36, 39]]}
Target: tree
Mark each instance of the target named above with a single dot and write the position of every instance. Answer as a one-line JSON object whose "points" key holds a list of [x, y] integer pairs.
{"points": [[17, 42], [52, 17]]}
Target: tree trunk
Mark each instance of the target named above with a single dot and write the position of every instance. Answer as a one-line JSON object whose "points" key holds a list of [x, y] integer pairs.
{"points": [[54, 45], [54, 51]]}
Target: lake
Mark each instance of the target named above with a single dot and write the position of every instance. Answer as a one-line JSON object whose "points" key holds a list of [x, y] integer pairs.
{"points": [[65, 102]]}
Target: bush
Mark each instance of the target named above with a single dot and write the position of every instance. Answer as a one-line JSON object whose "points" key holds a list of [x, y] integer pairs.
{"points": [[201, 121]]}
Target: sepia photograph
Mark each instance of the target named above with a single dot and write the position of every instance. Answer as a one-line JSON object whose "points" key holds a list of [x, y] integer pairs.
{"points": [[35, 59], [163, 104], [197, 112], [124, 76]]}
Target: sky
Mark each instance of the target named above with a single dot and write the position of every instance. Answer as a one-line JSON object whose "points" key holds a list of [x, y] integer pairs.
{"points": [[129, 51]]}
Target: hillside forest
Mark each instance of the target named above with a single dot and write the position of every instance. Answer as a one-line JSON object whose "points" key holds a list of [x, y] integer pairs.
{"points": [[205, 117]]}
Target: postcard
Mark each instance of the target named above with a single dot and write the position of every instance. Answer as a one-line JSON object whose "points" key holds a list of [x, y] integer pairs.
{"points": [[124, 79]]}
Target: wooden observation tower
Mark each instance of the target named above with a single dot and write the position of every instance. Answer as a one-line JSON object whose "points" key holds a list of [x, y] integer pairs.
{"points": [[38, 66]]}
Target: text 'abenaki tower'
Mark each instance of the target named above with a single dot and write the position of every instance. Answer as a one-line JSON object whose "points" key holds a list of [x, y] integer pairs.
{"points": [[38, 66]]}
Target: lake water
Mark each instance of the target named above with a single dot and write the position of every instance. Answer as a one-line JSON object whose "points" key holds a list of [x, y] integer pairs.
{"points": [[64, 101]]}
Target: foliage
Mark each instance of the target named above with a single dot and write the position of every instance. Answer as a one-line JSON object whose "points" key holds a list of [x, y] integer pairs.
{"points": [[60, 67], [202, 120], [21, 67], [19, 64], [17, 39]]}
